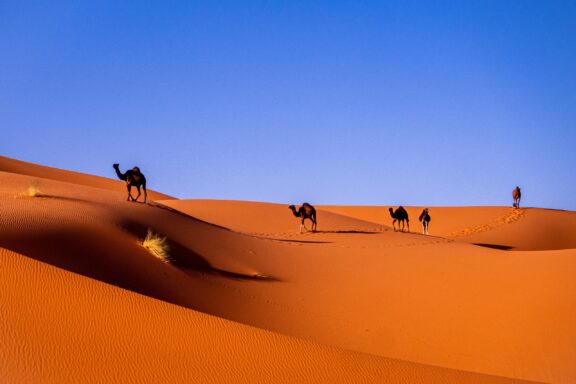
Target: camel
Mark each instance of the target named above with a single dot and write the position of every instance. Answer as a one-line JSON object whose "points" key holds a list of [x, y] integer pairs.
{"points": [[133, 178], [399, 216], [425, 220], [306, 211], [516, 195]]}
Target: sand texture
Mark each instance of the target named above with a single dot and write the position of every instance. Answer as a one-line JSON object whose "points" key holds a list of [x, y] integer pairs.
{"points": [[488, 297]]}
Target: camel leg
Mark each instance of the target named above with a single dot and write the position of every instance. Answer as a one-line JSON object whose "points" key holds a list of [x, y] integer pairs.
{"points": [[137, 196], [129, 188]]}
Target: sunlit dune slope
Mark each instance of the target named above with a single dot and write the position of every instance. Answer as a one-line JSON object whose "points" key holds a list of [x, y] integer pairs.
{"points": [[264, 218], [498, 227], [59, 327], [40, 171]]}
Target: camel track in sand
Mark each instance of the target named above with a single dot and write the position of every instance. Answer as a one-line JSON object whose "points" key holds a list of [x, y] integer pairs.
{"points": [[513, 215]]}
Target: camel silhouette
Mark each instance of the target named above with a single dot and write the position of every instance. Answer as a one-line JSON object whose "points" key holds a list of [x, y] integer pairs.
{"points": [[399, 216], [516, 195], [133, 178], [306, 211], [425, 220]]}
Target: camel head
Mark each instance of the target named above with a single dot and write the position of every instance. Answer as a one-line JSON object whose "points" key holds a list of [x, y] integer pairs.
{"points": [[121, 176]]}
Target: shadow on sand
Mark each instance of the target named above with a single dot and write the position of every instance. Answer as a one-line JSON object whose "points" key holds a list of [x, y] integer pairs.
{"points": [[374, 232], [495, 246], [119, 261]]}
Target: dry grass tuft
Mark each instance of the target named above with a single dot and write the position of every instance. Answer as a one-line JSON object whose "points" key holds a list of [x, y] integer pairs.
{"points": [[157, 246], [33, 189]]}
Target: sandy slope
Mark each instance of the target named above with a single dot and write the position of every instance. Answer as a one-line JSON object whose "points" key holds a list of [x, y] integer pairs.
{"points": [[501, 227], [59, 327], [430, 299], [43, 172], [356, 286], [266, 219]]}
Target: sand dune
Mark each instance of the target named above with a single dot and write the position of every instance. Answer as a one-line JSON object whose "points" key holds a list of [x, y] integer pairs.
{"points": [[265, 219], [60, 327], [354, 302], [43, 172], [502, 227]]}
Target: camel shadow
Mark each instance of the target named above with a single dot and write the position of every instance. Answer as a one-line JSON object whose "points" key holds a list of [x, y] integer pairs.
{"points": [[294, 241], [351, 232], [495, 246]]}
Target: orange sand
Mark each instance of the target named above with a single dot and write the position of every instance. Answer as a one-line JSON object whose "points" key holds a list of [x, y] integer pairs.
{"points": [[489, 297]]}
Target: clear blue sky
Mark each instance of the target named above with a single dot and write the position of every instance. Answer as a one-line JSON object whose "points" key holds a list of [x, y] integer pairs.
{"points": [[331, 102]]}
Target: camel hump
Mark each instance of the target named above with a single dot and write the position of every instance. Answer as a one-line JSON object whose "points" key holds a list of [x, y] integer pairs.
{"points": [[136, 169], [306, 205]]}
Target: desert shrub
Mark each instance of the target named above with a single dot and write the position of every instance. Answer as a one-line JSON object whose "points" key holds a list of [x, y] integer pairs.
{"points": [[157, 246]]}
